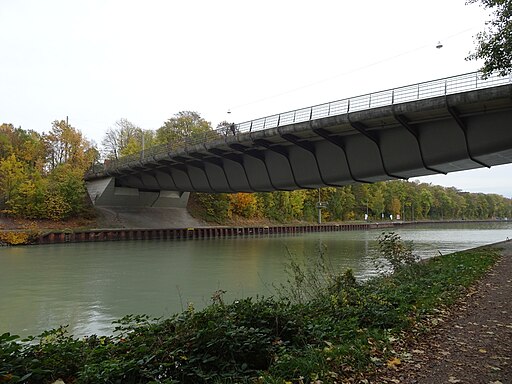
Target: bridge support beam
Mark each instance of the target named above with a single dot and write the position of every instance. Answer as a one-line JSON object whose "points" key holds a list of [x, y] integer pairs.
{"points": [[104, 193]]}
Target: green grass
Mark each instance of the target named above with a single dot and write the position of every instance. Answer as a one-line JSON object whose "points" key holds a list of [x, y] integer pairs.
{"points": [[343, 330]]}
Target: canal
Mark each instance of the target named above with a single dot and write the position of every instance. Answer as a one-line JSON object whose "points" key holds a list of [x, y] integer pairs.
{"points": [[88, 285]]}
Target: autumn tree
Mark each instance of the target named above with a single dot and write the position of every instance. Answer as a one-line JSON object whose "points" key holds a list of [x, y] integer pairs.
{"points": [[244, 204], [494, 45], [65, 144], [183, 125], [13, 174], [27, 146]]}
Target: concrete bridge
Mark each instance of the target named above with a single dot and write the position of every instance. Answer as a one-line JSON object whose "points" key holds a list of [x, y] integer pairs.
{"points": [[441, 126]]}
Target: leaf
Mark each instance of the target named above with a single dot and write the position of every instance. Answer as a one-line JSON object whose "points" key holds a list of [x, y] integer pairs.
{"points": [[392, 363], [454, 380]]}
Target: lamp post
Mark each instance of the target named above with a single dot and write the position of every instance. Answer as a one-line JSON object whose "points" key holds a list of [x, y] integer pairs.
{"points": [[321, 204], [319, 208]]}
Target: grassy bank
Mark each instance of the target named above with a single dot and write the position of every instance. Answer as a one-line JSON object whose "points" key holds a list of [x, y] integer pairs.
{"points": [[326, 327]]}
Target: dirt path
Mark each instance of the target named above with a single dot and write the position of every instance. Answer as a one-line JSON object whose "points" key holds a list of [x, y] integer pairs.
{"points": [[473, 344]]}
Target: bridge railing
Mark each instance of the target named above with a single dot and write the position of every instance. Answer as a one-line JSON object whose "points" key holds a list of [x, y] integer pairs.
{"points": [[414, 92]]}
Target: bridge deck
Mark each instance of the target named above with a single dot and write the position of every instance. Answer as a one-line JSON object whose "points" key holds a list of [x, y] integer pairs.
{"points": [[440, 134]]}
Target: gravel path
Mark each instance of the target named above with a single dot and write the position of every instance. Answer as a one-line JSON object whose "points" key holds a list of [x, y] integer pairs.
{"points": [[471, 344]]}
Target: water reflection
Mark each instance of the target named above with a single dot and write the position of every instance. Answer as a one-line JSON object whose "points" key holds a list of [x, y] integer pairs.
{"points": [[89, 285]]}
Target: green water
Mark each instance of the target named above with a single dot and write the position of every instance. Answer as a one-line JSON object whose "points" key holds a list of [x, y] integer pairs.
{"points": [[89, 285]]}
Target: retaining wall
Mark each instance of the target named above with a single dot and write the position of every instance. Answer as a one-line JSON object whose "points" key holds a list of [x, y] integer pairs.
{"points": [[195, 233]]}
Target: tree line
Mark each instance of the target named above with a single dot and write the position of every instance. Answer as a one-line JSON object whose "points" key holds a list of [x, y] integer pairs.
{"points": [[42, 177], [390, 200]]}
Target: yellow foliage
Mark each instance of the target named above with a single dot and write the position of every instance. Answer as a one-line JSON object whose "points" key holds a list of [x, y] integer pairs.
{"points": [[244, 204], [15, 237], [56, 207]]}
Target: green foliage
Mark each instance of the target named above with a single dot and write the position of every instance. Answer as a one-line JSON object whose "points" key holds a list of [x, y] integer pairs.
{"points": [[494, 45], [341, 202], [215, 207], [343, 327]]}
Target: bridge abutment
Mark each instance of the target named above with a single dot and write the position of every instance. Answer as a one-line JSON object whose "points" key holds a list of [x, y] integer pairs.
{"points": [[104, 193]]}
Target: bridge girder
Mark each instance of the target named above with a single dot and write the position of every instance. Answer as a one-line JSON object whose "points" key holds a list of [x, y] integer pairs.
{"points": [[438, 135]]}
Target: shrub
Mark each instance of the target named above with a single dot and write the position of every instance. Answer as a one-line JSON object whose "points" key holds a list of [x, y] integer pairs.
{"points": [[17, 237], [396, 252]]}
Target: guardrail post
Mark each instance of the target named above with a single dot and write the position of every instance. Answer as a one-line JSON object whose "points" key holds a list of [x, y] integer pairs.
{"points": [[392, 97], [348, 105]]}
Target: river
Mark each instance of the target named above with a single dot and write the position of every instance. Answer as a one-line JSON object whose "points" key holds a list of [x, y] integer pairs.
{"points": [[88, 285]]}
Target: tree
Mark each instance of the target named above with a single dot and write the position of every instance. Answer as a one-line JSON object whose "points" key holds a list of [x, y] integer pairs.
{"points": [[185, 124], [12, 175], [65, 144], [27, 146], [244, 204], [117, 138], [377, 203], [494, 45], [341, 202]]}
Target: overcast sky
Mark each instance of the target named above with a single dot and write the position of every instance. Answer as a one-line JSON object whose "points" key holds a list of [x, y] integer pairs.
{"points": [[97, 61]]}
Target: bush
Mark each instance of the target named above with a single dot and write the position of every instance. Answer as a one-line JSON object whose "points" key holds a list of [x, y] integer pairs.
{"points": [[17, 237], [396, 252]]}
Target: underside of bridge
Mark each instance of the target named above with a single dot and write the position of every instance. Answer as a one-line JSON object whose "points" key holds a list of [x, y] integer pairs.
{"points": [[438, 135]]}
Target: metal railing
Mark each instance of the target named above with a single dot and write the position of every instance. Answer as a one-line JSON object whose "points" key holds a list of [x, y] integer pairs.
{"points": [[419, 91]]}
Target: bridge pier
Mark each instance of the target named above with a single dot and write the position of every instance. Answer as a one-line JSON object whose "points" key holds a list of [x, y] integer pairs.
{"points": [[104, 193]]}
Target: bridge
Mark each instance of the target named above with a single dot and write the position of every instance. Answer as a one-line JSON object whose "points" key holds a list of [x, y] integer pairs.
{"points": [[441, 126]]}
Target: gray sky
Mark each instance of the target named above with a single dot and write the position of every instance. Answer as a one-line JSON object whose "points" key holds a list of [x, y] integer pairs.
{"points": [[97, 61]]}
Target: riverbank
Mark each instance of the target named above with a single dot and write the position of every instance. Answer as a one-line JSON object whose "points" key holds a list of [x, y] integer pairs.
{"points": [[344, 333], [27, 234]]}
